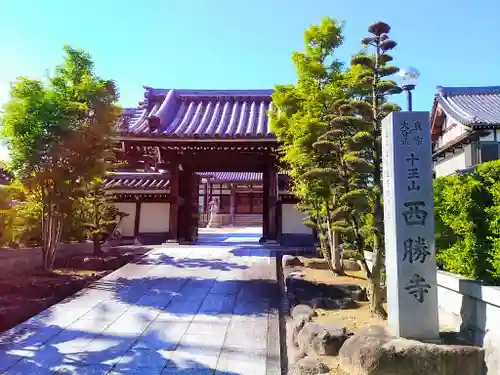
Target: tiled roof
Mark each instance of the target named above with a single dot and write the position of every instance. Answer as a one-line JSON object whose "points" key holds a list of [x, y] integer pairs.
{"points": [[200, 113], [160, 181], [136, 180], [232, 176], [471, 105]]}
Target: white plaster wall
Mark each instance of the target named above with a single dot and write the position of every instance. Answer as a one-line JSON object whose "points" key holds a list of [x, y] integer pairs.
{"points": [[292, 220], [452, 129], [126, 226], [155, 218], [450, 164]]}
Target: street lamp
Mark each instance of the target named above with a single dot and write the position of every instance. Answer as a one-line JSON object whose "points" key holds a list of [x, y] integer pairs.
{"points": [[409, 79]]}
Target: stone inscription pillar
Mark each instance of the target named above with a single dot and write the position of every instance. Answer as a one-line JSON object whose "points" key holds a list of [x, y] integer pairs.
{"points": [[409, 226]]}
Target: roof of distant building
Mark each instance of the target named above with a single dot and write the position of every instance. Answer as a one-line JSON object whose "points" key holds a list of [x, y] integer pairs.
{"points": [[232, 176], [160, 181], [181, 113], [136, 180], [474, 106]]}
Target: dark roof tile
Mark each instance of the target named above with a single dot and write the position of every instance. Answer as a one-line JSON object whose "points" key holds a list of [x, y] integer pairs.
{"points": [[471, 105], [232, 176], [136, 180], [200, 113]]}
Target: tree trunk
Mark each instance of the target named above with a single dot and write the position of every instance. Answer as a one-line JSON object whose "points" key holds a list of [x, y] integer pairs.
{"points": [[336, 255], [376, 305], [364, 266], [97, 245], [51, 235], [335, 261], [360, 247]]}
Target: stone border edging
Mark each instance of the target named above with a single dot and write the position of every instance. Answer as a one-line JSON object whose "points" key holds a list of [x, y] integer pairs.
{"points": [[469, 287]]}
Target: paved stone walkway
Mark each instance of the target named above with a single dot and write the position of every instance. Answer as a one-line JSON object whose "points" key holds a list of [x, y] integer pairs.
{"points": [[203, 309]]}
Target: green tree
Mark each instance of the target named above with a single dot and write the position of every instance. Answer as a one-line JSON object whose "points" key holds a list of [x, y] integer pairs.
{"points": [[345, 146], [301, 117], [57, 133], [373, 107], [102, 214]]}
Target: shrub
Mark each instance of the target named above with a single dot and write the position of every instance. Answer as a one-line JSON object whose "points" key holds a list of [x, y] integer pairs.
{"points": [[20, 216], [467, 210], [74, 229]]}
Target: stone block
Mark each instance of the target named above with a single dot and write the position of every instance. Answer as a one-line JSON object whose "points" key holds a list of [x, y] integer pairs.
{"points": [[317, 339], [351, 265], [374, 351], [301, 290], [303, 310], [298, 323], [310, 366], [333, 304], [318, 264], [291, 261]]}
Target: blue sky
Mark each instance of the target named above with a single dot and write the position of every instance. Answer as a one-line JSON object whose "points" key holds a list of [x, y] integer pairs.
{"points": [[242, 44]]}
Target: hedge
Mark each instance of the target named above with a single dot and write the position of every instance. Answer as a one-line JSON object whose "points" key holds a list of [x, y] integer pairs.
{"points": [[467, 210]]}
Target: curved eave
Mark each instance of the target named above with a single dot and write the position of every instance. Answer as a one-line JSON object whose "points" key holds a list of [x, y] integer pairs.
{"points": [[194, 138], [453, 112], [114, 191], [240, 182], [469, 121]]}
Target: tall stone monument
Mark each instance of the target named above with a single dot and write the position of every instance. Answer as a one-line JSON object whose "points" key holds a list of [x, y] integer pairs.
{"points": [[409, 226]]}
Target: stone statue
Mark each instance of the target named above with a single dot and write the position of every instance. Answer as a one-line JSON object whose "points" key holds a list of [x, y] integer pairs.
{"points": [[213, 207]]}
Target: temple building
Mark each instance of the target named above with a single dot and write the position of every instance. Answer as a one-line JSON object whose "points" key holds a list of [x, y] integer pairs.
{"points": [[465, 128], [186, 147]]}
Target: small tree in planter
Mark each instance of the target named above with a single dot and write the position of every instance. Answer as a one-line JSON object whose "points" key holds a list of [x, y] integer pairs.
{"points": [[103, 215]]}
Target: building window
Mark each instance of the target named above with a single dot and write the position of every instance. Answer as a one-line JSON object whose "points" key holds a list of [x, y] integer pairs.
{"points": [[489, 151]]}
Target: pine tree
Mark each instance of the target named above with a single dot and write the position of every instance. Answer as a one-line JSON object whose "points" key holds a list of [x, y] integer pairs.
{"points": [[373, 107], [103, 214], [300, 117], [347, 141]]}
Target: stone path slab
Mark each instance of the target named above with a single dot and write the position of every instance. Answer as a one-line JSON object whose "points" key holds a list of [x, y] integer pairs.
{"points": [[210, 308]]}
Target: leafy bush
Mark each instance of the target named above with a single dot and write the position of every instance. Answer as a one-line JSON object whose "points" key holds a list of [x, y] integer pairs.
{"points": [[74, 229], [468, 223], [351, 254], [20, 216], [20, 223]]}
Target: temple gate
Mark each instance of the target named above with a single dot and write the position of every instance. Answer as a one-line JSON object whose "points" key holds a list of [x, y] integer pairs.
{"points": [[181, 133]]}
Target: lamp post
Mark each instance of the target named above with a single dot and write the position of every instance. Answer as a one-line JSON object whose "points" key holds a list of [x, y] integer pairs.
{"points": [[409, 79]]}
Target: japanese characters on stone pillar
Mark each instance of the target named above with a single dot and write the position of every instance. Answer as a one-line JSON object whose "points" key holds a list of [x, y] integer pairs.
{"points": [[409, 226]]}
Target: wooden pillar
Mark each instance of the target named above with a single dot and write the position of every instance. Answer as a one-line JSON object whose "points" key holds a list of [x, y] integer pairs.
{"points": [[195, 208], [232, 202], [174, 200], [137, 218], [279, 220], [272, 233], [205, 197], [265, 204], [185, 202]]}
